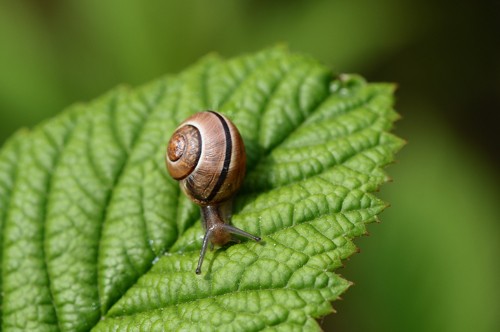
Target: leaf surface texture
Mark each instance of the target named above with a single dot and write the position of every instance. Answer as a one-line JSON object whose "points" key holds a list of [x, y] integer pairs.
{"points": [[96, 235]]}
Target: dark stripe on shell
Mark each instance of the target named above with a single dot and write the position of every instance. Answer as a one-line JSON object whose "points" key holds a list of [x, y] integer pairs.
{"points": [[227, 158]]}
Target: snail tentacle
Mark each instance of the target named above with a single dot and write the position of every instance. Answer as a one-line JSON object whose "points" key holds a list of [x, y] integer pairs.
{"points": [[206, 239], [234, 230]]}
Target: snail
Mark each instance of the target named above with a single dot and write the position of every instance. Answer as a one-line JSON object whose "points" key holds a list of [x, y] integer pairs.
{"points": [[207, 156]]}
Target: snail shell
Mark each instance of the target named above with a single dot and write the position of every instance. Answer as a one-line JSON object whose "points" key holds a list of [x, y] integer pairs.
{"points": [[206, 154]]}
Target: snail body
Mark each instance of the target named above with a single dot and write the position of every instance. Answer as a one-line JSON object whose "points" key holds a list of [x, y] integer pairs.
{"points": [[207, 156]]}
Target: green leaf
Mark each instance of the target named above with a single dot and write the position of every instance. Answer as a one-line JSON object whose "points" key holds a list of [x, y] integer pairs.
{"points": [[96, 235]]}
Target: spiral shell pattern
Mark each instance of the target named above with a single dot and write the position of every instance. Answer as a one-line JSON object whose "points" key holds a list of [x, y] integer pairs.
{"points": [[206, 154]]}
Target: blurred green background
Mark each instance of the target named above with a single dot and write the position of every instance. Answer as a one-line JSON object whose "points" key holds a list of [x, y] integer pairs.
{"points": [[433, 263]]}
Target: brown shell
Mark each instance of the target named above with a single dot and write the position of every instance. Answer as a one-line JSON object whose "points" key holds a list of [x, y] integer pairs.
{"points": [[220, 167], [183, 152]]}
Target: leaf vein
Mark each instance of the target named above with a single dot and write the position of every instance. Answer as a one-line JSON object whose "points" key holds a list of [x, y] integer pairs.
{"points": [[142, 124]]}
